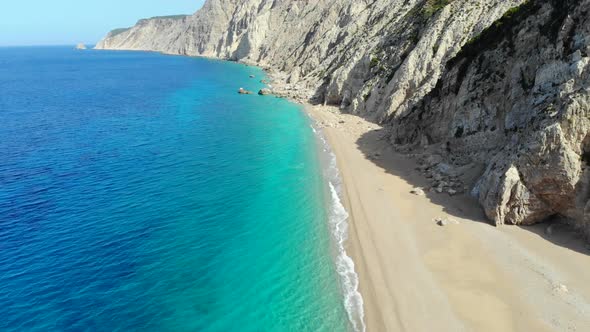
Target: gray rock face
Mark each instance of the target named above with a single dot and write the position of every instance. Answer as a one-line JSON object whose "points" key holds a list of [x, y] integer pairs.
{"points": [[370, 57], [517, 99], [506, 88]]}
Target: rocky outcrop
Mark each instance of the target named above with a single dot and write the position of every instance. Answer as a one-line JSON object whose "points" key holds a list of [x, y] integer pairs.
{"points": [[517, 100], [162, 34], [502, 84]]}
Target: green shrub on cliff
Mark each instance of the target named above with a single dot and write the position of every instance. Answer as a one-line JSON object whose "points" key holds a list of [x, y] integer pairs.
{"points": [[433, 6]]}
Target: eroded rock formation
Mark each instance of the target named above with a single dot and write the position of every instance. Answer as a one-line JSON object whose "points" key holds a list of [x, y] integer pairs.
{"points": [[517, 99]]}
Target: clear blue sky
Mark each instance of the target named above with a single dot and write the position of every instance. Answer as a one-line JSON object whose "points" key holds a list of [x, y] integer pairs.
{"points": [[62, 22]]}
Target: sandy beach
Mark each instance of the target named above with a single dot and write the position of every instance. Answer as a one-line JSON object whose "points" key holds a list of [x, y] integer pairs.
{"points": [[465, 276]]}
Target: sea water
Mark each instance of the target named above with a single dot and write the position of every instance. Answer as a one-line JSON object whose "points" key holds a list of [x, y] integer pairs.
{"points": [[140, 192]]}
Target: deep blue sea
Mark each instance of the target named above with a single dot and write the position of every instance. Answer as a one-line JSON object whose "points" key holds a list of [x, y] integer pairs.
{"points": [[140, 192]]}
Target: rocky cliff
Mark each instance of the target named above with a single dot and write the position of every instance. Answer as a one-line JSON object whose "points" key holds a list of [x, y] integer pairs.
{"points": [[516, 99], [498, 83], [370, 57]]}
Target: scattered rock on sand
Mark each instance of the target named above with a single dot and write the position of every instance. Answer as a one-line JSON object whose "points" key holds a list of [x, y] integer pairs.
{"points": [[445, 222], [441, 222], [560, 288], [374, 156], [417, 192], [243, 91], [264, 92]]}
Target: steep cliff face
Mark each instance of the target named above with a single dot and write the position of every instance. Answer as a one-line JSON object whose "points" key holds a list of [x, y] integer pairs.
{"points": [[486, 80], [517, 99], [370, 57]]}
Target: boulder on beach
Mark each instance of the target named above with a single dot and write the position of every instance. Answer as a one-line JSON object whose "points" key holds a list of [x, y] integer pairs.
{"points": [[445, 221], [264, 92], [243, 91], [417, 191]]}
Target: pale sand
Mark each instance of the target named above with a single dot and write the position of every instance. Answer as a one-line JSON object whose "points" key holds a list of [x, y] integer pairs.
{"points": [[417, 276]]}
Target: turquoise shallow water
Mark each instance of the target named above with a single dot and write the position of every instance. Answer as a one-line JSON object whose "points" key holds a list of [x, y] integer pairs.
{"points": [[139, 192]]}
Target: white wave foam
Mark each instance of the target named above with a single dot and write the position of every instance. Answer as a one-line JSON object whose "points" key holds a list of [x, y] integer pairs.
{"points": [[338, 222]]}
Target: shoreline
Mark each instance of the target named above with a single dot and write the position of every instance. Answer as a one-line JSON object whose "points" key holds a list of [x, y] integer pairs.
{"points": [[338, 223], [466, 276], [418, 276]]}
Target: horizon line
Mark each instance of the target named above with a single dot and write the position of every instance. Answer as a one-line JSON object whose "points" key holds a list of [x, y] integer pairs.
{"points": [[47, 45]]}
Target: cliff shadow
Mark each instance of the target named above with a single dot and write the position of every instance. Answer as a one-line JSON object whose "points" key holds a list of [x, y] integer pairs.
{"points": [[561, 234], [377, 148]]}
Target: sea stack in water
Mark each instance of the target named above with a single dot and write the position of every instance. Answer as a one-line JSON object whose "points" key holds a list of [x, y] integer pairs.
{"points": [[243, 91], [81, 46], [264, 92]]}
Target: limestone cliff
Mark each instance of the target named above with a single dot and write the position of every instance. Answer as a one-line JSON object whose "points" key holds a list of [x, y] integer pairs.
{"points": [[370, 57], [501, 83], [517, 100]]}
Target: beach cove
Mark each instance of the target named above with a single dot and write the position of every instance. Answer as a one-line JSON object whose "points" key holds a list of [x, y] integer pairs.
{"points": [[416, 275], [413, 274]]}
